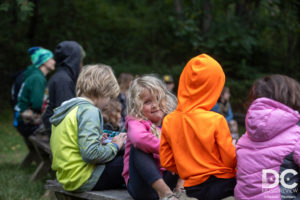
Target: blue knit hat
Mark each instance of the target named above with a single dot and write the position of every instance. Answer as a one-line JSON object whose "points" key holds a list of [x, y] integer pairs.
{"points": [[39, 56]]}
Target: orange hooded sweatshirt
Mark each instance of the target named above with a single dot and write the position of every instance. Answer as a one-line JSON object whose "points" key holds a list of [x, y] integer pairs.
{"points": [[196, 142]]}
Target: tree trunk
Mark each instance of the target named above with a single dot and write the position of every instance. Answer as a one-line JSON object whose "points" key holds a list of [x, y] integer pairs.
{"points": [[207, 18], [33, 22], [178, 8]]}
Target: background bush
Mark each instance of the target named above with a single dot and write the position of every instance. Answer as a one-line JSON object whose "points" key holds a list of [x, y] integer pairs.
{"points": [[248, 38]]}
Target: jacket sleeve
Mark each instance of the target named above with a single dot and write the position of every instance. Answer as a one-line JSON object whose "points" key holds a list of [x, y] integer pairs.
{"points": [[224, 142], [141, 137], [166, 154], [296, 154], [90, 135]]}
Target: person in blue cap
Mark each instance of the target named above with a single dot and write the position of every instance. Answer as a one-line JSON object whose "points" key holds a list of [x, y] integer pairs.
{"points": [[31, 95]]}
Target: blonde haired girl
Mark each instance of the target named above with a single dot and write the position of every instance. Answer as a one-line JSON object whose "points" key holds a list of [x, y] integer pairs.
{"points": [[148, 102]]}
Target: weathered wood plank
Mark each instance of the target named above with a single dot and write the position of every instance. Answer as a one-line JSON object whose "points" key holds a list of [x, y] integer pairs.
{"points": [[120, 194], [42, 149]]}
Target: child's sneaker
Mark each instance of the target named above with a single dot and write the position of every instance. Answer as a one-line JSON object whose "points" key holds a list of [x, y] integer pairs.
{"points": [[181, 195], [171, 196]]}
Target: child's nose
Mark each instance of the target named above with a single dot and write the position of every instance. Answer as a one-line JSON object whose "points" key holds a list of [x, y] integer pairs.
{"points": [[155, 105]]}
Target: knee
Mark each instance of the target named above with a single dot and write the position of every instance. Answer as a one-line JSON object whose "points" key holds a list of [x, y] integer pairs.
{"points": [[138, 156]]}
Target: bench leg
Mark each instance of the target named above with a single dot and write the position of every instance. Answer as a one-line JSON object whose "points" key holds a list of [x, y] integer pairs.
{"points": [[40, 171], [45, 163], [31, 156]]}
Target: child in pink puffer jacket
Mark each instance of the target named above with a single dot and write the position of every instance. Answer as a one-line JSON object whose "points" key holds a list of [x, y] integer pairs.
{"points": [[268, 155]]}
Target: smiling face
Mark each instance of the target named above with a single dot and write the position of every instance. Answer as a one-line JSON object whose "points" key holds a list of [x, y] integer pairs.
{"points": [[151, 108]]}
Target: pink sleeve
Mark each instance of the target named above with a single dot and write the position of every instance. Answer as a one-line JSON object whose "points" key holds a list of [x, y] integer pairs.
{"points": [[141, 137]]}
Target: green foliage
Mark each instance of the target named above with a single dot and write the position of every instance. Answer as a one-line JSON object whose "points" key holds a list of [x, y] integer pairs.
{"points": [[26, 9], [248, 38], [4, 7]]}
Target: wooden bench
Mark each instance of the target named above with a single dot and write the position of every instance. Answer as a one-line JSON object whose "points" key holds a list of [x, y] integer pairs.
{"points": [[43, 151], [61, 194], [32, 156]]}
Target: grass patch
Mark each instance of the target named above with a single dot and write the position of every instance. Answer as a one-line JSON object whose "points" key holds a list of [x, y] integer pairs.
{"points": [[14, 181]]}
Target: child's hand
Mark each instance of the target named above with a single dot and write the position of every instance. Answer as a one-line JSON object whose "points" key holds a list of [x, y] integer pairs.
{"points": [[120, 140], [234, 142], [104, 137], [179, 186]]}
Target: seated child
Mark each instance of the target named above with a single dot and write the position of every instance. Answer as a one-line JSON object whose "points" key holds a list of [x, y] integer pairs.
{"points": [[124, 81], [169, 81], [195, 142], [80, 159], [112, 116], [148, 102], [224, 108], [112, 120], [268, 154]]}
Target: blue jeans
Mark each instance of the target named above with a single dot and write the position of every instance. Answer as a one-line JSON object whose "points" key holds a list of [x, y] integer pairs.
{"points": [[143, 172], [212, 189]]}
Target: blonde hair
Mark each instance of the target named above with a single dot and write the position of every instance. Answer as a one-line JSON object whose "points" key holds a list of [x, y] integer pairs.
{"points": [[167, 101], [97, 81]]}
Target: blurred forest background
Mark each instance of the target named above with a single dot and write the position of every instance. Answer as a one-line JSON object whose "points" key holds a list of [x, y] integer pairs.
{"points": [[249, 38]]}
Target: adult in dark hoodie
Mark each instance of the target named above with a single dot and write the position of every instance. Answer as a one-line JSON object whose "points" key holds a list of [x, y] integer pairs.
{"points": [[61, 86]]}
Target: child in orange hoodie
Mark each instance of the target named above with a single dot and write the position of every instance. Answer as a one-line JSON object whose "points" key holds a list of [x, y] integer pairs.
{"points": [[195, 142]]}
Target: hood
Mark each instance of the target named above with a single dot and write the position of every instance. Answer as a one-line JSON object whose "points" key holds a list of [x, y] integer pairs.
{"points": [[267, 118], [200, 84], [65, 108], [68, 55]]}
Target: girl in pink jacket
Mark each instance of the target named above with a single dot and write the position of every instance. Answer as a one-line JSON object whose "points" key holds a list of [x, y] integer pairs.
{"points": [[148, 102], [268, 154]]}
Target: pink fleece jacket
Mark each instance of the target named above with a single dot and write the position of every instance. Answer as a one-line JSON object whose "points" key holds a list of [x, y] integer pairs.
{"points": [[139, 135]]}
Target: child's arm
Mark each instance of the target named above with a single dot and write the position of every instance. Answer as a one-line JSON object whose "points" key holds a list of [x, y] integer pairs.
{"points": [[90, 137], [224, 141], [165, 153], [142, 138]]}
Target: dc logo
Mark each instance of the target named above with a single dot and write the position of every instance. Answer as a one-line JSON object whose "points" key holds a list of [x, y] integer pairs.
{"points": [[277, 178]]}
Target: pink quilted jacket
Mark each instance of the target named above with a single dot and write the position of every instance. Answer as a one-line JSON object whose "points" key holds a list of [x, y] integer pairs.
{"points": [[269, 148]]}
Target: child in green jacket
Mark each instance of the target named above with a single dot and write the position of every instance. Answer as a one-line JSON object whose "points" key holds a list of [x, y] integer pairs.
{"points": [[80, 158]]}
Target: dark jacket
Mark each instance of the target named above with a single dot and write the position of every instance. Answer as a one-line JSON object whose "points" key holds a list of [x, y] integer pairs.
{"points": [[61, 85]]}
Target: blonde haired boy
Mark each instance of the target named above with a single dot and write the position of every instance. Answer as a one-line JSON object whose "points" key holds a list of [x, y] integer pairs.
{"points": [[80, 158]]}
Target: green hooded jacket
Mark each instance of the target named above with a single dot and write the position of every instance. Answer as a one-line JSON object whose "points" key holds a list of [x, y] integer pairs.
{"points": [[78, 154], [32, 91]]}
